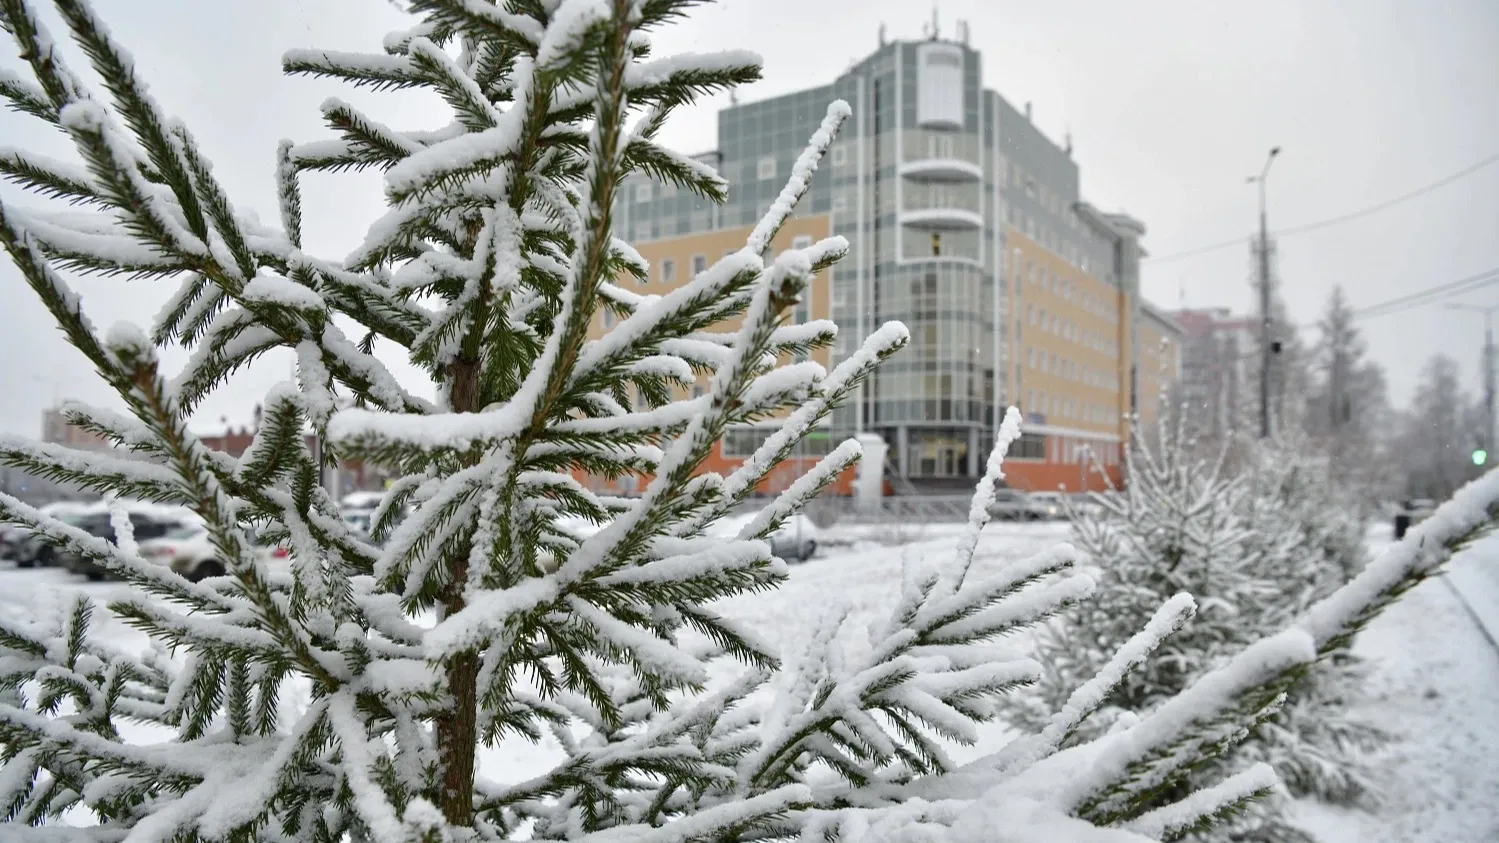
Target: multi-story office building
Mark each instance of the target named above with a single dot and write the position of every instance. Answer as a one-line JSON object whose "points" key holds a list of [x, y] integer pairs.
{"points": [[675, 260], [965, 222]]}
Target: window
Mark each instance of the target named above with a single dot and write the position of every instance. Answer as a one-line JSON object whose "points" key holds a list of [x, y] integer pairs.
{"points": [[698, 391], [643, 192], [741, 442], [840, 155], [728, 252], [608, 318], [941, 146], [840, 203], [699, 263], [1030, 314], [801, 241], [766, 168], [668, 271], [936, 243], [1030, 446]]}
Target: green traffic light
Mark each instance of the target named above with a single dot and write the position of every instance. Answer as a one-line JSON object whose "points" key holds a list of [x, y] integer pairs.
{"points": [[1480, 456]]}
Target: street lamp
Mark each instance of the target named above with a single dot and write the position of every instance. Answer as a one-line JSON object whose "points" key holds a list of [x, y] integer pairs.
{"points": [[1265, 349], [1490, 361]]}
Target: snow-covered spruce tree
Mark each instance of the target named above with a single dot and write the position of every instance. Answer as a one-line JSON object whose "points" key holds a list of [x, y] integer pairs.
{"points": [[1174, 527], [1308, 531], [1257, 547], [481, 620]]}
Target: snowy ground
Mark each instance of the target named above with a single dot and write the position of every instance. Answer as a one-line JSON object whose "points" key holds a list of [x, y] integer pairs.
{"points": [[1435, 684]]}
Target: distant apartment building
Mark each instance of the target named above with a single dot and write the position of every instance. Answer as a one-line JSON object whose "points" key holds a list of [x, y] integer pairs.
{"points": [[349, 476], [965, 223], [1161, 359], [57, 430], [1217, 352]]}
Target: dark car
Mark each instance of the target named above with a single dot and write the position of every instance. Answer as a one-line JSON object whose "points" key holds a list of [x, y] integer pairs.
{"points": [[11, 537], [146, 526], [28, 551]]}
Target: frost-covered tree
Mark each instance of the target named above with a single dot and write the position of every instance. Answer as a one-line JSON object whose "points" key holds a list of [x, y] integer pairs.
{"points": [[1257, 544], [1176, 526], [1308, 529], [1348, 412], [1438, 432], [346, 697]]}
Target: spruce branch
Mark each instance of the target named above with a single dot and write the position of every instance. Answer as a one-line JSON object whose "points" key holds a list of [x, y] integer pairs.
{"points": [[139, 110], [26, 97], [50, 178]]}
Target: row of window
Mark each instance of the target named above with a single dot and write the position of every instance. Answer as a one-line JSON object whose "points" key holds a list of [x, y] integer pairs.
{"points": [[1071, 409], [1067, 450], [742, 442], [1051, 364], [1069, 291], [1068, 330], [665, 271], [1077, 244]]}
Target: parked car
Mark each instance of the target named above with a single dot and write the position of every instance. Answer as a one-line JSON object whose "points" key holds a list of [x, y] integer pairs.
{"points": [[794, 541], [27, 551], [146, 522], [189, 551], [1048, 505], [1015, 505], [359, 521], [1411, 513]]}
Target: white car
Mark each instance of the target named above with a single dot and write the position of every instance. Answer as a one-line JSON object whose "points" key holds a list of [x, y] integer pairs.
{"points": [[1048, 505], [794, 541], [188, 551], [1015, 505]]}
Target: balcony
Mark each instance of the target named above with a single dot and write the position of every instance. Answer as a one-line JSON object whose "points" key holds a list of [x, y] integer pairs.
{"points": [[941, 170], [937, 207], [942, 219]]}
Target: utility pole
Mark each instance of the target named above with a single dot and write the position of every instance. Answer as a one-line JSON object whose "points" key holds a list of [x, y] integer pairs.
{"points": [[1266, 353], [1489, 362]]}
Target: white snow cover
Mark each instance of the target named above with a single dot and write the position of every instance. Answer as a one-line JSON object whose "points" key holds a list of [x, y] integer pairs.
{"points": [[357, 618]]}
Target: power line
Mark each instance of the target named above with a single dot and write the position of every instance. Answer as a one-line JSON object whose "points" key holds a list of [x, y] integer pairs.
{"points": [[1429, 295], [1331, 221]]}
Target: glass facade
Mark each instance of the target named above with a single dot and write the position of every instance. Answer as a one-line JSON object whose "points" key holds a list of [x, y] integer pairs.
{"points": [[924, 182]]}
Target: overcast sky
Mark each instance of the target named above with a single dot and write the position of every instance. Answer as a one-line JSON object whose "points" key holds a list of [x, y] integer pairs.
{"points": [[1171, 104]]}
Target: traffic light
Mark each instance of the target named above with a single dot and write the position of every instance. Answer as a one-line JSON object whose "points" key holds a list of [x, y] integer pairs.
{"points": [[1480, 456]]}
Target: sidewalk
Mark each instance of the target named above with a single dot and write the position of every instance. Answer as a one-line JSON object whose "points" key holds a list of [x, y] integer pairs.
{"points": [[1435, 686], [1475, 575]]}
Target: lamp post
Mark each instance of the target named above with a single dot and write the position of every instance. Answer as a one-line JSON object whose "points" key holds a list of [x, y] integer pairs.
{"points": [[1489, 363], [1264, 284]]}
